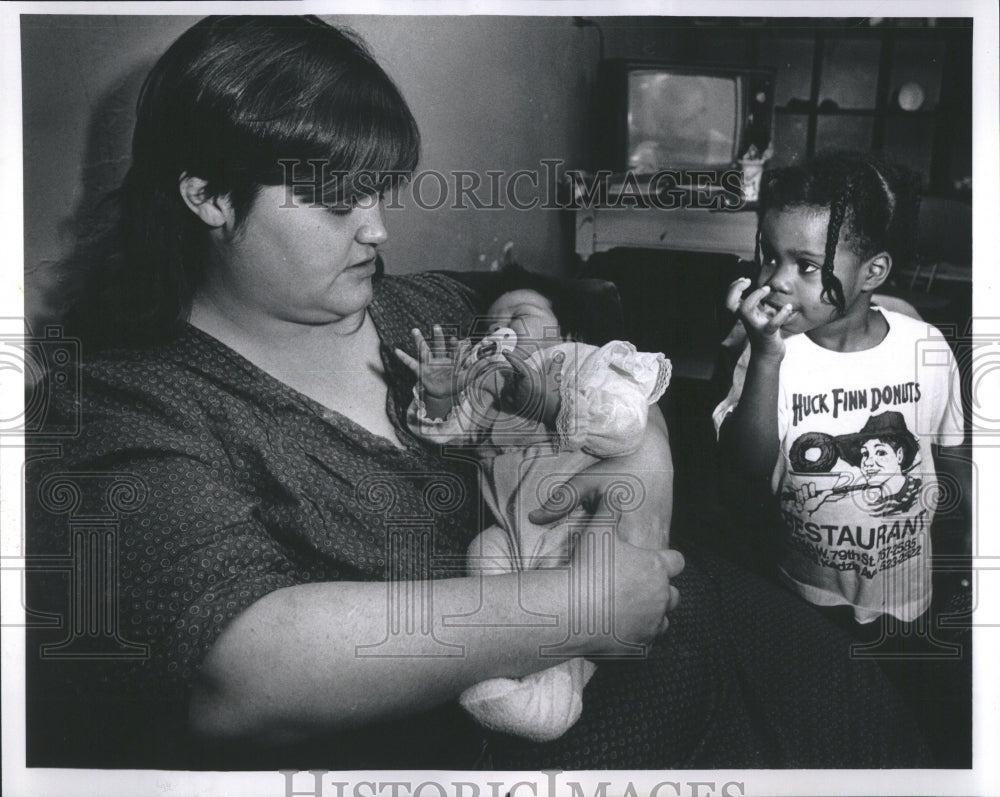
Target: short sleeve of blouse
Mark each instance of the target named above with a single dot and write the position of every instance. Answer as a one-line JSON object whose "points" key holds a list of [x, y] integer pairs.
{"points": [[156, 495]]}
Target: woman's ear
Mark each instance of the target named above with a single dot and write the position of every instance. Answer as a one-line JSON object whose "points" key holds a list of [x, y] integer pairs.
{"points": [[877, 271], [215, 211]]}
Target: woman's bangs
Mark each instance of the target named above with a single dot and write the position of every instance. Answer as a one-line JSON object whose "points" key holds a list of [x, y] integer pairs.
{"points": [[367, 144]]}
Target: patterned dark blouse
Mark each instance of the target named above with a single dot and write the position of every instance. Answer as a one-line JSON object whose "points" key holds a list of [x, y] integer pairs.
{"points": [[222, 484]]}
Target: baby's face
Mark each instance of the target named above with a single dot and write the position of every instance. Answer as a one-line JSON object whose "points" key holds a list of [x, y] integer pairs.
{"points": [[529, 314]]}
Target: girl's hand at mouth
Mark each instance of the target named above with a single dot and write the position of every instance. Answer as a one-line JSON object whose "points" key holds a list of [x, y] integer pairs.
{"points": [[761, 319]]}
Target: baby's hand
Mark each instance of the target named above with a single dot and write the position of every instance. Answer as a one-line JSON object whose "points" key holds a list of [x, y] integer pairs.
{"points": [[437, 367], [530, 393], [763, 330]]}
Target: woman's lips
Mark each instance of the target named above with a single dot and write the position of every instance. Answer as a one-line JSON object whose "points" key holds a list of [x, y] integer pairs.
{"points": [[364, 265]]}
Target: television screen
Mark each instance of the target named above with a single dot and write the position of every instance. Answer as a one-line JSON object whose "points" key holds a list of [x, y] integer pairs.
{"points": [[681, 120]]}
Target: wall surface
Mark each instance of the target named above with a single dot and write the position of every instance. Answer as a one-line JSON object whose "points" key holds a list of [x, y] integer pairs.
{"points": [[489, 93]]}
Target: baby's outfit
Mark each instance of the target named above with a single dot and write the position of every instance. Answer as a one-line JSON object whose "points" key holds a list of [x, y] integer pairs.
{"points": [[604, 393]]}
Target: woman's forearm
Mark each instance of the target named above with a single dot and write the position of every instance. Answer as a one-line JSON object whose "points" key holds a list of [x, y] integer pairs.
{"points": [[653, 464], [321, 657]]}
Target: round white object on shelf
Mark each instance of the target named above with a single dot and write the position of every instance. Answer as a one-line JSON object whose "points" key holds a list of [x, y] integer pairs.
{"points": [[910, 96]]}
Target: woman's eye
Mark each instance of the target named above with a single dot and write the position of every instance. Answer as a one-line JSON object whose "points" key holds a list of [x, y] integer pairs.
{"points": [[805, 267], [339, 207]]}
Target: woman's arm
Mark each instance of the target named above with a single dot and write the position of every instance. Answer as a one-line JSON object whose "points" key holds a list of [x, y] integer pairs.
{"points": [[645, 521], [289, 666]]}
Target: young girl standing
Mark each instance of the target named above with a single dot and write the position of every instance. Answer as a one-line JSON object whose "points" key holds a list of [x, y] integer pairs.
{"points": [[841, 403], [845, 406]]}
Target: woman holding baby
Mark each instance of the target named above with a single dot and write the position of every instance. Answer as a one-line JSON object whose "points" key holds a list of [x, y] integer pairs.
{"points": [[296, 566]]}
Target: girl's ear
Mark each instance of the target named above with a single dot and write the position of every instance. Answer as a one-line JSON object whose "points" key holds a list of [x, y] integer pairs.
{"points": [[215, 211], [877, 270]]}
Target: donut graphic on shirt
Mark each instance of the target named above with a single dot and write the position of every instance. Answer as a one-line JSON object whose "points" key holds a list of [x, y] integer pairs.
{"points": [[873, 465]]}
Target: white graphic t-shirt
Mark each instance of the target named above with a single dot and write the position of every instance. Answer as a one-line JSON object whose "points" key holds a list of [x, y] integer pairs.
{"points": [[855, 477]]}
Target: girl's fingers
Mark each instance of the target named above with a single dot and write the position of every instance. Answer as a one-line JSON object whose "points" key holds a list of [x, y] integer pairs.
{"points": [[734, 296], [753, 300], [408, 361], [778, 320]]}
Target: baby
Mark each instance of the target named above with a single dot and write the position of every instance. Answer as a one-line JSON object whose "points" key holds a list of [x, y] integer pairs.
{"points": [[538, 408]]}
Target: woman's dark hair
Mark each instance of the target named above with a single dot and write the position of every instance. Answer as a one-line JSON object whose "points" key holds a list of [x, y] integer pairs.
{"points": [[230, 100], [873, 202]]}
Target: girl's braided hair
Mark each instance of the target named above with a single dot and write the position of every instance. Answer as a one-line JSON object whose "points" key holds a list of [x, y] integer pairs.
{"points": [[874, 202]]}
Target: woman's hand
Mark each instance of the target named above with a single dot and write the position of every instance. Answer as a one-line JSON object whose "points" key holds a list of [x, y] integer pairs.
{"points": [[629, 500], [621, 594], [763, 328]]}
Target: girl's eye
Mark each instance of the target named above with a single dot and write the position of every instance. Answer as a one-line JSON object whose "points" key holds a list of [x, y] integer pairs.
{"points": [[805, 267]]}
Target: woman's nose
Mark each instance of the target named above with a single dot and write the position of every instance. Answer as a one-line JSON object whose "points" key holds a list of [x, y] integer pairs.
{"points": [[371, 224]]}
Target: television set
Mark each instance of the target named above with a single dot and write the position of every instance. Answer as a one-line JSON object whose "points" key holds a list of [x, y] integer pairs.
{"points": [[655, 116]]}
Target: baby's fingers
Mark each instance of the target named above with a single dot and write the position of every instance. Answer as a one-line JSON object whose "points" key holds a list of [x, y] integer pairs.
{"points": [[438, 347], [408, 361], [554, 369], [519, 366], [423, 350]]}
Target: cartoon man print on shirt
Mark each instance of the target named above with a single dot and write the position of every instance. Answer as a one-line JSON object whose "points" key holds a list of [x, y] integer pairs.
{"points": [[883, 452]]}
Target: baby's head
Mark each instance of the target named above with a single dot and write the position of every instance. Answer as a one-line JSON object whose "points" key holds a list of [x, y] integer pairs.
{"points": [[529, 314], [541, 309]]}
